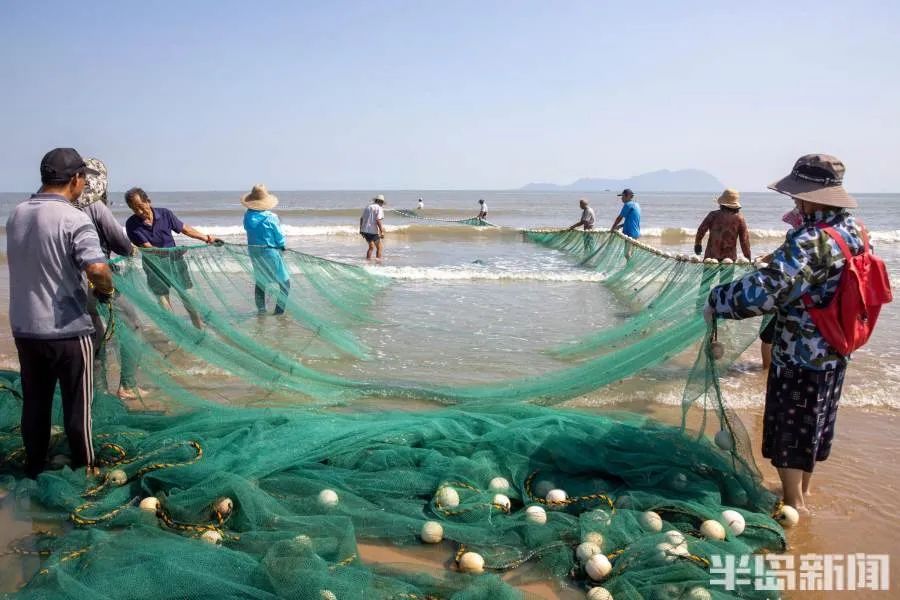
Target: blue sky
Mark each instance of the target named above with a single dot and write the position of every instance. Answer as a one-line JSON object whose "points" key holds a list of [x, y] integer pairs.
{"points": [[450, 94]]}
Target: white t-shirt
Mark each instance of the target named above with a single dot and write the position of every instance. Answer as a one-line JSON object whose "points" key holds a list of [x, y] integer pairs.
{"points": [[370, 217], [587, 216], [421, 204], [484, 207]]}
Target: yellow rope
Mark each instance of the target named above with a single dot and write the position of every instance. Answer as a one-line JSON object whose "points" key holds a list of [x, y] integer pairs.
{"points": [[567, 501], [156, 466], [344, 562], [75, 515], [66, 557], [14, 546]]}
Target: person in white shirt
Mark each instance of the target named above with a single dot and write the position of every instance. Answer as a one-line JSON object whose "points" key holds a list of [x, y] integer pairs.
{"points": [[483, 213], [370, 226], [587, 216], [421, 205]]}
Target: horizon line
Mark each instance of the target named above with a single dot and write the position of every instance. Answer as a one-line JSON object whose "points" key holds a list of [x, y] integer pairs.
{"points": [[369, 190]]}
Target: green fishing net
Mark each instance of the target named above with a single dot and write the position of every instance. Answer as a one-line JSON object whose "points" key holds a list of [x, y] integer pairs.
{"points": [[278, 473], [411, 214]]}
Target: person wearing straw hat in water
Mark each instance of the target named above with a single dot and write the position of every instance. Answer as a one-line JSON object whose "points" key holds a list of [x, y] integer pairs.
{"points": [[266, 243], [725, 227], [371, 226], [804, 382]]}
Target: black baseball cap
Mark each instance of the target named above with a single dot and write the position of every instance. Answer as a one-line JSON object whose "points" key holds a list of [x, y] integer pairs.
{"points": [[626, 192], [61, 164]]}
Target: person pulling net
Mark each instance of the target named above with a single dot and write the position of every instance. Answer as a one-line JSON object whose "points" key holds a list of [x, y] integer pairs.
{"points": [[411, 214]]}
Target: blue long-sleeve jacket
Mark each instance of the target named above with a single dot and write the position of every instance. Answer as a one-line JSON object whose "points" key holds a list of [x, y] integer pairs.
{"points": [[266, 241]]}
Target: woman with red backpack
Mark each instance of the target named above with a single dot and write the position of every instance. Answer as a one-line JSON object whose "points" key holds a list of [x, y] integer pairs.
{"points": [[825, 289]]}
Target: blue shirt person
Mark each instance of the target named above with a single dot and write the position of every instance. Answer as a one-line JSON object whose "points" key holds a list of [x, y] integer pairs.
{"points": [[266, 243], [151, 227], [629, 218]]}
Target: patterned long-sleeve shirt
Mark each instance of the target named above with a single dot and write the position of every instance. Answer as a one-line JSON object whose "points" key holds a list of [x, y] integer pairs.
{"points": [[725, 228], [810, 262]]}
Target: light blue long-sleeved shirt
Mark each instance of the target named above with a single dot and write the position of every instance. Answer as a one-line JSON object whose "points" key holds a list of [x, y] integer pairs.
{"points": [[266, 240]]}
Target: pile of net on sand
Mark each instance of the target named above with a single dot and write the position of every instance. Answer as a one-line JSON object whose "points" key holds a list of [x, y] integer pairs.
{"points": [[265, 482]]}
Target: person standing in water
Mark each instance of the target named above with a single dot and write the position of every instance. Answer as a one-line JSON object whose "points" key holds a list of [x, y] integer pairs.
{"points": [[629, 218], [805, 381], [151, 227], [420, 205], [483, 212], [587, 216], [726, 227], [371, 226], [266, 243]]}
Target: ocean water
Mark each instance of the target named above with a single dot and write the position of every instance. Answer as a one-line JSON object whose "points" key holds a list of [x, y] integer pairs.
{"points": [[478, 304]]}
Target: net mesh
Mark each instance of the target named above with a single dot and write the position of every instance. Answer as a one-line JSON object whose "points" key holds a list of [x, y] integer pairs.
{"points": [[315, 478], [411, 214]]}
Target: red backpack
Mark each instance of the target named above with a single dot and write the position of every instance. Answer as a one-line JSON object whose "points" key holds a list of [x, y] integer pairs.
{"points": [[847, 320]]}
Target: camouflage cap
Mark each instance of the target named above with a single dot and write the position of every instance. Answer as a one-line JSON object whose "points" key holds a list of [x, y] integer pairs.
{"points": [[95, 186]]}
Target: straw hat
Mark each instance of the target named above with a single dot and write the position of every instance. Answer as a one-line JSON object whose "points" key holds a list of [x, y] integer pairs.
{"points": [[379, 198], [730, 199], [259, 198], [816, 178]]}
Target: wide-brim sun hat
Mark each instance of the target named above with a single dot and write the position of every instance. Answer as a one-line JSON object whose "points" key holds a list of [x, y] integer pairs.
{"points": [[730, 198], [96, 183], [379, 198], [259, 198], [816, 178]]}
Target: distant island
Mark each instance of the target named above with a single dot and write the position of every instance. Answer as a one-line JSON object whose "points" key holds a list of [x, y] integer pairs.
{"points": [[685, 180]]}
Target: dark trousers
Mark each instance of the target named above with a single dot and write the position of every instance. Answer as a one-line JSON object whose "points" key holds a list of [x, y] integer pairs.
{"points": [[259, 293], [43, 364]]}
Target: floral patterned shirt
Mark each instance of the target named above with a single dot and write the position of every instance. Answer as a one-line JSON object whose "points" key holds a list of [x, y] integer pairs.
{"points": [[810, 262], [725, 229]]}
